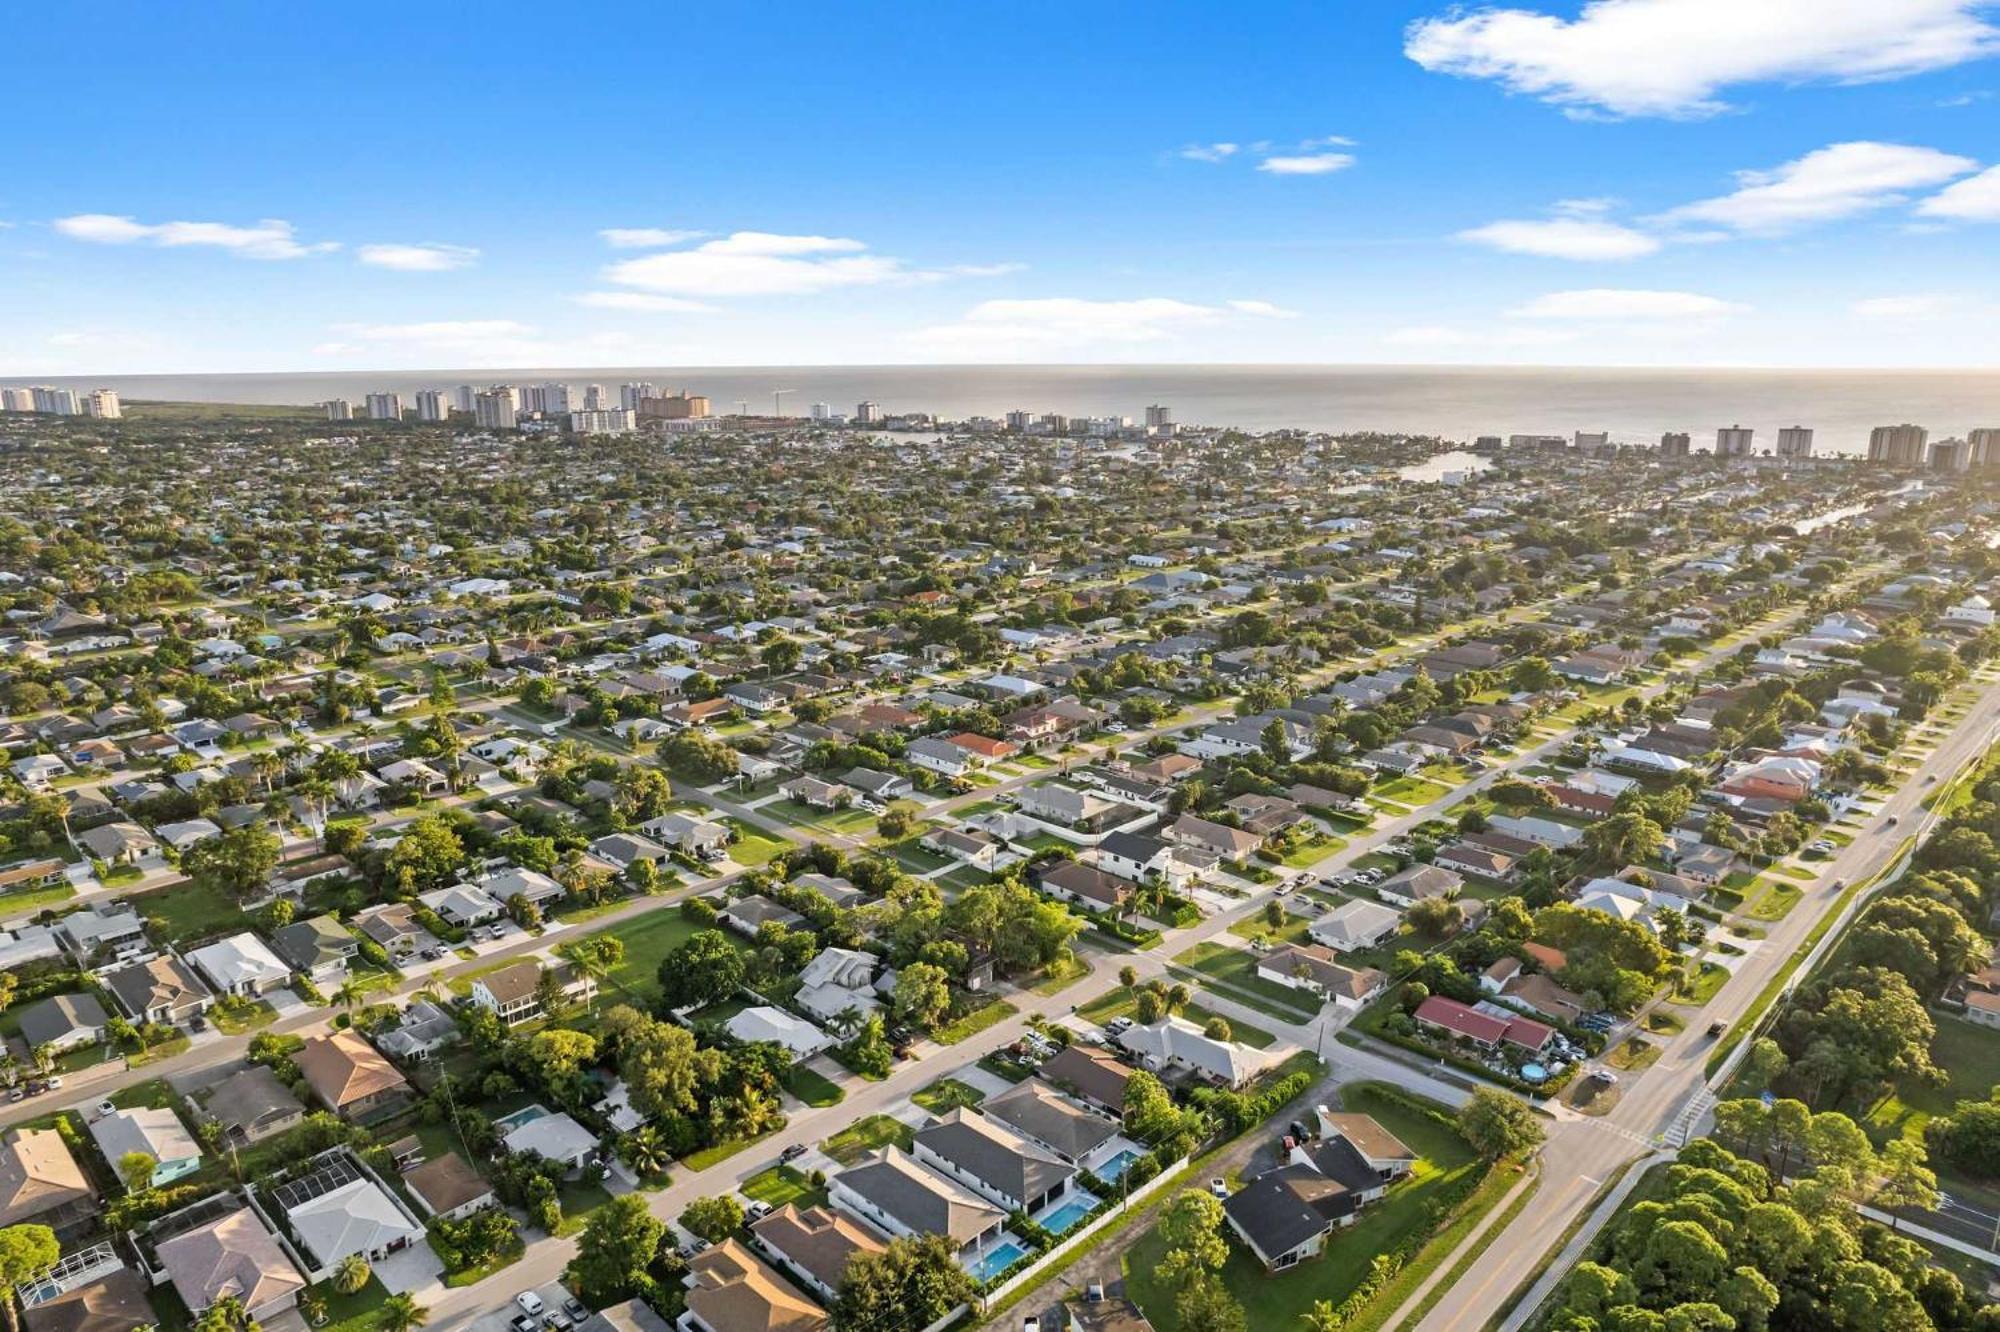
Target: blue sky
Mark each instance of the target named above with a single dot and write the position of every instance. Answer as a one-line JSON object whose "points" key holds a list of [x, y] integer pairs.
{"points": [[1637, 182]]}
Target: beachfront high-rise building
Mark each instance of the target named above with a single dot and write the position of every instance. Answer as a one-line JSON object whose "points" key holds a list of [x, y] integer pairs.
{"points": [[1984, 443], [1898, 445], [630, 394], [673, 407], [1795, 442], [1734, 441], [1951, 455], [593, 398], [1157, 415], [433, 405], [385, 406], [602, 421], [1591, 439], [821, 411], [17, 400], [338, 409], [104, 403], [1020, 420], [498, 408], [463, 397], [867, 413], [1675, 444]]}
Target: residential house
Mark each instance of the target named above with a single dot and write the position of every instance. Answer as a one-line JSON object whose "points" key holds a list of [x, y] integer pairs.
{"points": [[63, 1022], [1095, 1075], [157, 1133], [899, 1196], [731, 1289], [464, 905], [1355, 925], [1086, 885], [764, 1023], [242, 964], [1311, 967], [233, 1255], [253, 1105], [318, 949], [514, 993], [1174, 1042], [1035, 1110], [163, 989], [350, 1076], [748, 915], [447, 1188], [813, 1245], [41, 1183], [992, 1160], [1407, 887], [1217, 838], [1484, 1030], [395, 926], [340, 1211]]}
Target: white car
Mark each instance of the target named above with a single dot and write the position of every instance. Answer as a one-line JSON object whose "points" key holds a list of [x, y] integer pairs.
{"points": [[531, 1303]]}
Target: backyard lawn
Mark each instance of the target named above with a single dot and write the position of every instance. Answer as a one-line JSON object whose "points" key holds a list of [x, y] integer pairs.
{"points": [[753, 847], [189, 913], [1279, 1301], [947, 1094], [780, 1185], [647, 939], [866, 1135], [1235, 970]]}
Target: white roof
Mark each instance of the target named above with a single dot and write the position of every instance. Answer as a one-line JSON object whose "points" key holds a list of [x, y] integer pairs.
{"points": [[237, 959], [839, 966], [1180, 1041], [158, 1133], [796, 1034], [357, 1217], [1356, 920], [555, 1137]]}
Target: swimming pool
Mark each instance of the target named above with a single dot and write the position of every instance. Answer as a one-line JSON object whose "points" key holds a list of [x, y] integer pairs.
{"points": [[997, 1259], [1073, 1210], [1114, 1169], [527, 1114]]}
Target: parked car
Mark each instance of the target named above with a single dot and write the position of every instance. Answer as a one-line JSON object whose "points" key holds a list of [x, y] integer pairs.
{"points": [[523, 1323], [575, 1308], [793, 1152], [531, 1303], [1219, 1187]]}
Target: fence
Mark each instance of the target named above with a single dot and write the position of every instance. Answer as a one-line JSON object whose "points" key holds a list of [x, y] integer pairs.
{"points": [[1072, 1241]]}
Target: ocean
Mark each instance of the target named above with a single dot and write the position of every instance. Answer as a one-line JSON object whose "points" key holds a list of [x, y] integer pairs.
{"points": [[1633, 405]]}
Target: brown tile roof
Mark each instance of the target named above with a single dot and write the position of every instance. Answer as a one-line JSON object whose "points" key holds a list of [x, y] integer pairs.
{"points": [[735, 1291], [37, 1175], [233, 1255], [817, 1240], [344, 1068], [446, 1182]]}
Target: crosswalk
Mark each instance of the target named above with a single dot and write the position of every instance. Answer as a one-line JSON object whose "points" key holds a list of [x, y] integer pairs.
{"points": [[1691, 1114]]}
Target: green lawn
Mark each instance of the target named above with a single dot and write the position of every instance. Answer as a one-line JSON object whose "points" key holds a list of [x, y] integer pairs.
{"points": [[188, 913], [1236, 970], [812, 1088], [866, 1135], [358, 1312], [721, 1151], [15, 905], [647, 939], [1312, 850], [1697, 992], [1969, 1053], [1059, 977], [947, 1094], [1277, 1302], [1291, 930], [1120, 1003], [974, 1022], [754, 847], [780, 1185], [1775, 901]]}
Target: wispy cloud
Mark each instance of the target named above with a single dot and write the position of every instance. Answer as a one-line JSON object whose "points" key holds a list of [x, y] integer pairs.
{"points": [[1838, 181], [1975, 199], [438, 331], [1578, 238], [268, 239], [1311, 164], [1678, 57], [1916, 305], [1210, 152], [642, 300], [1619, 304], [646, 238], [429, 257], [762, 263]]}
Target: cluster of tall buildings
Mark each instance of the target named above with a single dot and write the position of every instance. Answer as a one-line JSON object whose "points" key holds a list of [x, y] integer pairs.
{"points": [[1891, 446], [1909, 445], [61, 401], [545, 406]]}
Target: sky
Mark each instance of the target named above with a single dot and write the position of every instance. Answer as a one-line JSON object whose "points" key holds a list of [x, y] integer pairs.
{"points": [[229, 187]]}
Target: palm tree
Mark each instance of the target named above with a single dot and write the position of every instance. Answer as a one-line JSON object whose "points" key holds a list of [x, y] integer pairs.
{"points": [[401, 1313], [313, 1305], [44, 1056], [349, 994], [643, 1151], [351, 1274], [1322, 1317]]}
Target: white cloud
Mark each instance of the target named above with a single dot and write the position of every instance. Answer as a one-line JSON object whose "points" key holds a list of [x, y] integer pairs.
{"points": [[428, 257], [1975, 199], [1676, 57], [762, 263], [1311, 164], [1834, 182], [646, 238], [1054, 325], [1917, 305], [268, 239], [1611, 303], [1210, 152], [1580, 238], [641, 300]]}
